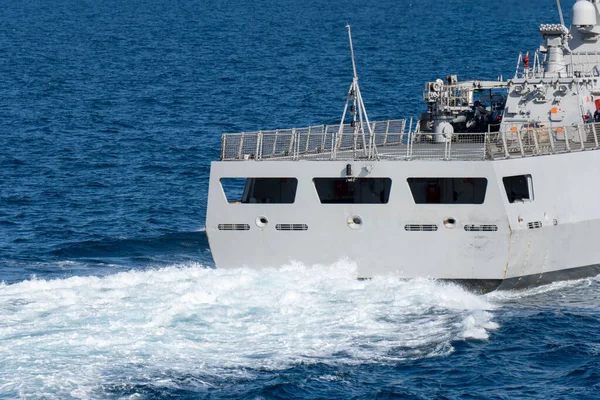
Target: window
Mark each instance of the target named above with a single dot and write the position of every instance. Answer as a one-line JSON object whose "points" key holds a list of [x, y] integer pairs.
{"points": [[448, 190], [518, 188], [260, 190], [353, 191]]}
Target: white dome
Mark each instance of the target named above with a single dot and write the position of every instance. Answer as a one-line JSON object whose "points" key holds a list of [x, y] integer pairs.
{"points": [[584, 13]]}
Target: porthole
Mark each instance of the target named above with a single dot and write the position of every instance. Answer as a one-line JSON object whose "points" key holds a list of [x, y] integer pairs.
{"points": [[450, 222], [262, 221], [355, 222]]}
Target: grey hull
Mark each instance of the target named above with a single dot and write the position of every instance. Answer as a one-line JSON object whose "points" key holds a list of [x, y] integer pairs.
{"points": [[528, 281]]}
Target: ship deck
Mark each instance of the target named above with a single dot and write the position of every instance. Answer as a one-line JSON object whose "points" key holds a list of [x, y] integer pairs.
{"points": [[396, 140]]}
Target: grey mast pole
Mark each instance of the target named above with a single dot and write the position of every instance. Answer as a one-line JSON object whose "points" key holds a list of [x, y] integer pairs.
{"points": [[352, 52], [359, 103], [560, 14]]}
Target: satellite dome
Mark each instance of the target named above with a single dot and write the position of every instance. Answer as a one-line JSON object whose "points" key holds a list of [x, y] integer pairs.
{"points": [[584, 13]]}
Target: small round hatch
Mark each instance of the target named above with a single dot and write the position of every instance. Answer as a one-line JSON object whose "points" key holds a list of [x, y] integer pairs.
{"points": [[262, 221], [450, 222], [355, 222]]}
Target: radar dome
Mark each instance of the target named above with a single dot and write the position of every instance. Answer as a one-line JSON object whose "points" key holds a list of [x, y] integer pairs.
{"points": [[584, 13]]}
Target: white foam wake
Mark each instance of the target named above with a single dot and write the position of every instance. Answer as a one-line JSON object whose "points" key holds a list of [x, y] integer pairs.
{"points": [[66, 337]]}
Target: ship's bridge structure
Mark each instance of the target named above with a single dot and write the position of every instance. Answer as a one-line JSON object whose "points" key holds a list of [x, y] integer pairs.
{"points": [[560, 84]]}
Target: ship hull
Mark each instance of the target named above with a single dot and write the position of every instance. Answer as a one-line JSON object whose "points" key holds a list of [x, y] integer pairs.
{"points": [[549, 237]]}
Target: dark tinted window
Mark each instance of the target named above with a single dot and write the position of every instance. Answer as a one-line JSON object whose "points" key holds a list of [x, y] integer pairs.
{"points": [[260, 190], [518, 188], [448, 190], [358, 191]]}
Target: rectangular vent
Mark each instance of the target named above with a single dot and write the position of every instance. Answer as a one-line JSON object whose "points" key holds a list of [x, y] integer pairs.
{"points": [[421, 228], [291, 227], [534, 225], [234, 227], [481, 228]]}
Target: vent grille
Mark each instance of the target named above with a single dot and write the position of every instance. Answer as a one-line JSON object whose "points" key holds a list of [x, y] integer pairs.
{"points": [[534, 225], [291, 227], [234, 227], [481, 228], [420, 228]]}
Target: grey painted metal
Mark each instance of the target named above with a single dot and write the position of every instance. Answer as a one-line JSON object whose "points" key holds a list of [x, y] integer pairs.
{"points": [[565, 202], [547, 131]]}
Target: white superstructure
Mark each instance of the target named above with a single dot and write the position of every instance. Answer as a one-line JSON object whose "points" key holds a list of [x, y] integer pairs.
{"points": [[440, 198]]}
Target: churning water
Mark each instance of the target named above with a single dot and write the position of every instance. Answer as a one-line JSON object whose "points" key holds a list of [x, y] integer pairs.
{"points": [[188, 329], [82, 336]]}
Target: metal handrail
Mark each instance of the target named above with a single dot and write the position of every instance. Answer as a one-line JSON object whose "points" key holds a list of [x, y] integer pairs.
{"points": [[397, 140]]}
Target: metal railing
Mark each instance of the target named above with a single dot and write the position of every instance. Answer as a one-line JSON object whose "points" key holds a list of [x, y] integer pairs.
{"points": [[321, 142], [397, 140], [541, 141]]}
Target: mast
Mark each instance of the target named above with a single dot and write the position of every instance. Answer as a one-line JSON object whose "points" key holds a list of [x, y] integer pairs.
{"points": [[357, 109], [560, 14]]}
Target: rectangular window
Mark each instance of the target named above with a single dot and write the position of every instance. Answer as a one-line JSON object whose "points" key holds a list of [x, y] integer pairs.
{"points": [[448, 190], [518, 188], [260, 190], [353, 191]]}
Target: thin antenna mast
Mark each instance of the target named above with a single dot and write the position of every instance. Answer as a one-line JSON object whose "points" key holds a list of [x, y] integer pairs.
{"points": [[352, 51], [357, 107], [562, 20]]}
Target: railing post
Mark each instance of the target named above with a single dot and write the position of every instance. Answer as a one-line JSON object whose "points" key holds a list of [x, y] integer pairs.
{"points": [[241, 145], [257, 145], [260, 145], [402, 135], [292, 142], [535, 140], [387, 129], [333, 142], [486, 145], [355, 142], [505, 144], [223, 145], [402, 128], [373, 144], [297, 146], [409, 141], [566, 133], [580, 131], [308, 138], [594, 132], [275, 142], [551, 138], [520, 143]]}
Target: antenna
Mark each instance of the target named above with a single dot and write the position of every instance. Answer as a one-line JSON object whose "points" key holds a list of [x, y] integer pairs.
{"points": [[352, 51], [358, 107], [562, 20]]}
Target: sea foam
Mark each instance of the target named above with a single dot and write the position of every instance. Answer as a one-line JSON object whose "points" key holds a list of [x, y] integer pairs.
{"points": [[68, 337]]}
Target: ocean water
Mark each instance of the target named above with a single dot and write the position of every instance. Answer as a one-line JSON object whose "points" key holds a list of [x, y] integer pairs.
{"points": [[110, 113]]}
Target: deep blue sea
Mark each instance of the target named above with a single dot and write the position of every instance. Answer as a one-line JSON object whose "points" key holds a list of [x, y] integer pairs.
{"points": [[110, 113]]}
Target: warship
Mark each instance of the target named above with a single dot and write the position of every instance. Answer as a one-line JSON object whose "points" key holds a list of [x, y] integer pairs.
{"points": [[494, 186]]}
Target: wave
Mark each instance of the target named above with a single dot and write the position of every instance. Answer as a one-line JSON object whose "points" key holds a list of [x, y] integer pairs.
{"points": [[566, 288], [68, 337]]}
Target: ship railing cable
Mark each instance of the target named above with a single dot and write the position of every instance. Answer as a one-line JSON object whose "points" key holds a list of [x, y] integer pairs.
{"points": [[323, 142], [533, 141], [399, 140]]}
